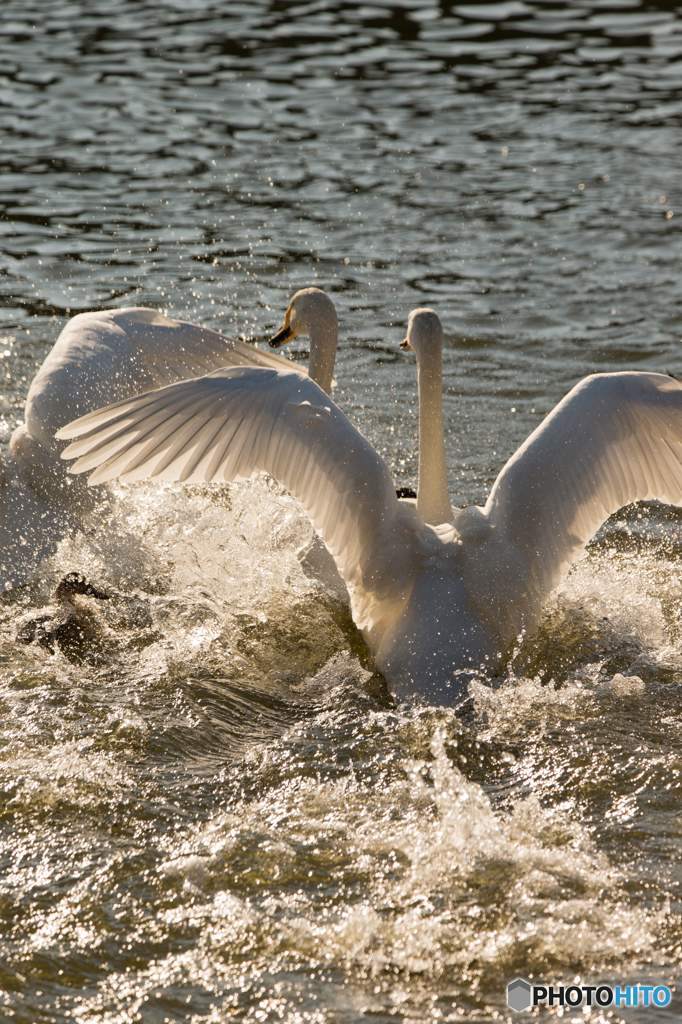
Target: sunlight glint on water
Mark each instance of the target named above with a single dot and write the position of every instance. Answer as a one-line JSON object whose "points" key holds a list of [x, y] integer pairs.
{"points": [[218, 813]]}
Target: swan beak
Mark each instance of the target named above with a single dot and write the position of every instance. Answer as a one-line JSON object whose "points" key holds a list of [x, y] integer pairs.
{"points": [[91, 591], [286, 334], [404, 344]]}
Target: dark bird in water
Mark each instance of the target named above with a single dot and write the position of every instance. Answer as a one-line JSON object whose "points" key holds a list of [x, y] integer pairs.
{"points": [[68, 623]]}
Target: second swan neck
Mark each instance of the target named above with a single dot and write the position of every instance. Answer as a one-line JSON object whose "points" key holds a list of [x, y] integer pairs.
{"points": [[433, 500]]}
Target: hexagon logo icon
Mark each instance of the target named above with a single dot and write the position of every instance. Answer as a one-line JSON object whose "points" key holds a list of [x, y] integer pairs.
{"points": [[518, 994]]}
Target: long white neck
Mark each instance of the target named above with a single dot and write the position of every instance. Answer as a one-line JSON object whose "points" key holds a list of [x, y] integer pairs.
{"points": [[324, 338], [433, 502]]}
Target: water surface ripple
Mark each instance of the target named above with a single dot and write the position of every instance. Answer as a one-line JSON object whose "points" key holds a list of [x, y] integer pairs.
{"points": [[218, 813]]}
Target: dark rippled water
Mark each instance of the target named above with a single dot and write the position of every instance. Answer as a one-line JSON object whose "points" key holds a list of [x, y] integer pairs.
{"points": [[219, 815]]}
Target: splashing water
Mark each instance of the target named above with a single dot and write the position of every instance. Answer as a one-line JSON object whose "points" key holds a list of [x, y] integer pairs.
{"points": [[239, 822], [216, 812]]}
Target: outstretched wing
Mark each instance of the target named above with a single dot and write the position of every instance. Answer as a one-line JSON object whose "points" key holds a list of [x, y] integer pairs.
{"points": [[174, 350], [615, 438], [110, 355], [238, 421]]}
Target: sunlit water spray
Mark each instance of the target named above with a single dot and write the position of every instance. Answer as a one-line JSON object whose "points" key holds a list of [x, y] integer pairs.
{"points": [[216, 813], [235, 813]]}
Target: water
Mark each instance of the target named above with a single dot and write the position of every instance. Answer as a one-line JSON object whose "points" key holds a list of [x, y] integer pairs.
{"points": [[217, 813]]}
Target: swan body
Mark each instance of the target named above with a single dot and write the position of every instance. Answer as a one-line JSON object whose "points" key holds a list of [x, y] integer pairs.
{"points": [[104, 357], [435, 602], [67, 623]]}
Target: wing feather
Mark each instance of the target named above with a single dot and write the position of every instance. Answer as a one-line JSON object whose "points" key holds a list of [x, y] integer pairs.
{"points": [[204, 443], [145, 445], [181, 456], [235, 422], [117, 435], [175, 350], [614, 439]]}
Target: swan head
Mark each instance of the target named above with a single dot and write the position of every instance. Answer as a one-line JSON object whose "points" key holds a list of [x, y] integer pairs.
{"points": [[73, 584], [312, 312], [424, 332], [309, 309]]}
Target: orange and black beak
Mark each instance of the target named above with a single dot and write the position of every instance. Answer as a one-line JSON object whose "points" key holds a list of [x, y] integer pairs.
{"points": [[286, 334], [404, 344]]}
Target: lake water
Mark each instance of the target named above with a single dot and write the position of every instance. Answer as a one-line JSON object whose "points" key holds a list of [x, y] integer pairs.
{"points": [[220, 815]]}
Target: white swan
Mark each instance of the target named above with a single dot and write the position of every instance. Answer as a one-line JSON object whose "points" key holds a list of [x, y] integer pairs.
{"points": [[104, 357], [434, 603]]}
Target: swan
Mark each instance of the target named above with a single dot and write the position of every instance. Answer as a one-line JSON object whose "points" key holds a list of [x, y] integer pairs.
{"points": [[113, 354], [68, 624], [107, 356], [436, 603]]}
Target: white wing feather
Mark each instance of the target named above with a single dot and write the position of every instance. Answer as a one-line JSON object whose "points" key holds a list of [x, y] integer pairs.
{"points": [[614, 439], [107, 356], [238, 421], [175, 350]]}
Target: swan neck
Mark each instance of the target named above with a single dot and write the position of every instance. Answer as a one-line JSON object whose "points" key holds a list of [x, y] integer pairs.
{"points": [[324, 338], [433, 501]]}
